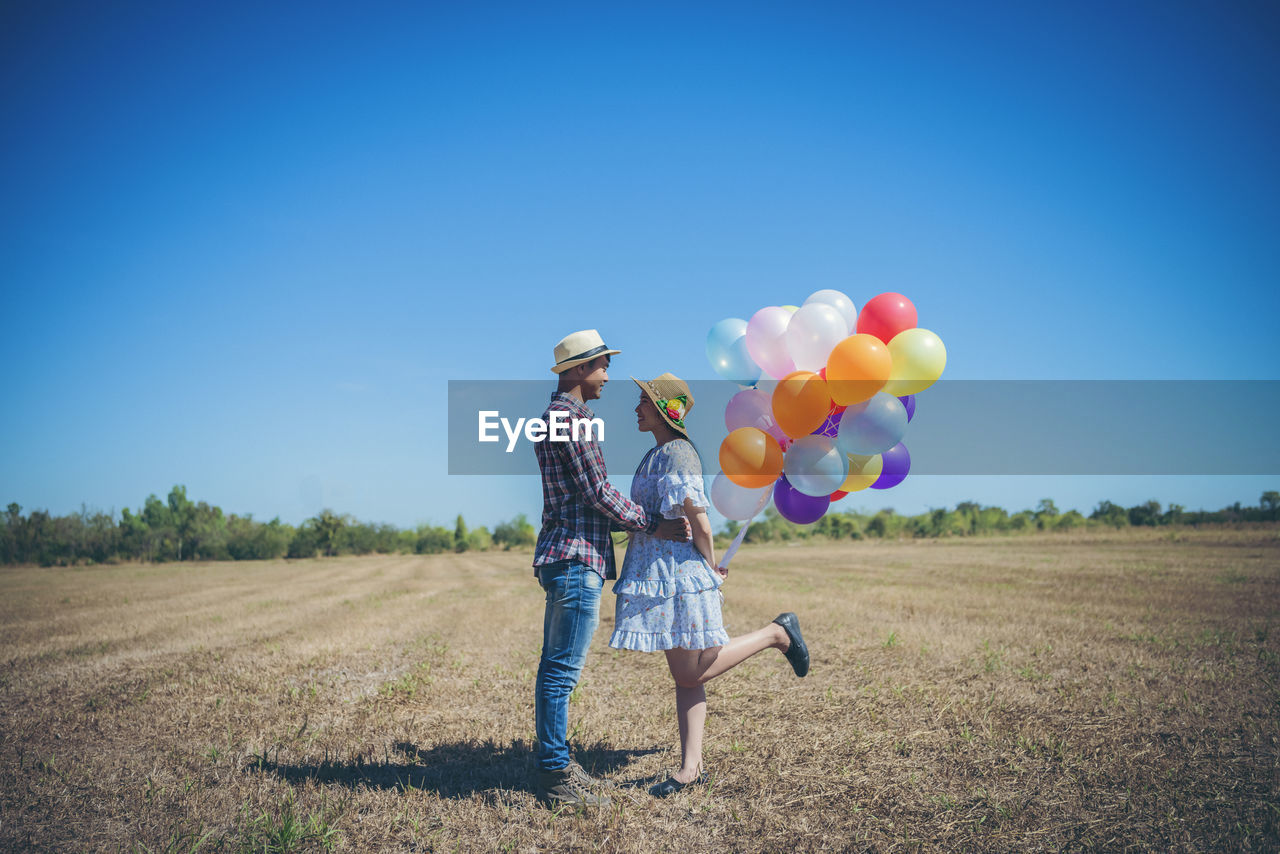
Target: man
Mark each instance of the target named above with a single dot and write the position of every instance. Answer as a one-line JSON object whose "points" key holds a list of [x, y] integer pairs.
{"points": [[574, 557]]}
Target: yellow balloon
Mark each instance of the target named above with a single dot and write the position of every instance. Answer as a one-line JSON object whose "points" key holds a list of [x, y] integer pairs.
{"points": [[863, 471], [918, 360], [792, 308]]}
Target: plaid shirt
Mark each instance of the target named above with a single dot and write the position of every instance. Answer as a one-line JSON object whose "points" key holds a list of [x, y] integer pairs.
{"points": [[579, 507]]}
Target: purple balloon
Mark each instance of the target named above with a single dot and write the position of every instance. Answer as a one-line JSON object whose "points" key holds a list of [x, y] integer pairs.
{"points": [[794, 506], [910, 403], [829, 427], [897, 462]]}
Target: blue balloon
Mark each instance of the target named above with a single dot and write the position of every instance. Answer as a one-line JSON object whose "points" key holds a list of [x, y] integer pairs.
{"points": [[813, 465], [727, 352], [872, 426]]}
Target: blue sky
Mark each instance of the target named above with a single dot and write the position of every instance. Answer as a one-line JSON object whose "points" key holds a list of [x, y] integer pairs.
{"points": [[244, 249]]}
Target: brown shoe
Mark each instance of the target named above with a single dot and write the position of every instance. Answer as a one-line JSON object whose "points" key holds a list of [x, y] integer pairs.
{"points": [[581, 775], [563, 788]]}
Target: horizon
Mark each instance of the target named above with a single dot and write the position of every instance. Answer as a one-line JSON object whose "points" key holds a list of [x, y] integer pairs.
{"points": [[836, 508]]}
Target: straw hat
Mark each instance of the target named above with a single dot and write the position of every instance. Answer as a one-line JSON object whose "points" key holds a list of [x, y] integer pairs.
{"points": [[579, 347], [671, 396]]}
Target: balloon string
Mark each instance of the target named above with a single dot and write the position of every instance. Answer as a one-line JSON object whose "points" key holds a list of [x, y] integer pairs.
{"points": [[737, 541]]}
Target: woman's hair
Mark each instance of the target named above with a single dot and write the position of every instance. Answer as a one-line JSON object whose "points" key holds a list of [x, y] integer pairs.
{"points": [[699, 455], [694, 445]]}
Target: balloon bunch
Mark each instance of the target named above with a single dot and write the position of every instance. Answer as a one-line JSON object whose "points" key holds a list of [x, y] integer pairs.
{"points": [[835, 420]]}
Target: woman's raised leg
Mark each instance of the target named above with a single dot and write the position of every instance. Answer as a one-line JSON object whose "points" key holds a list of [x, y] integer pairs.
{"points": [[699, 666]]}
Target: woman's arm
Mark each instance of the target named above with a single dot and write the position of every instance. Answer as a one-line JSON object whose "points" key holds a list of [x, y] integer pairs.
{"points": [[700, 524]]}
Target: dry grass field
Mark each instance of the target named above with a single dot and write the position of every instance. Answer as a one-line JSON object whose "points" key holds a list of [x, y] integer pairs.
{"points": [[1058, 692]]}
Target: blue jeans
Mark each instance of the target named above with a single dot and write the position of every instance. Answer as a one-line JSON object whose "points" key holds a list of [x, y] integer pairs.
{"points": [[573, 610]]}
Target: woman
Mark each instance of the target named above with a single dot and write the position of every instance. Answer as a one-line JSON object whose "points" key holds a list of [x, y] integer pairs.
{"points": [[668, 593]]}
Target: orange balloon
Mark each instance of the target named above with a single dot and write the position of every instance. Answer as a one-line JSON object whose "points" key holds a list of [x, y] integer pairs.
{"points": [[800, 403], [857, 368], [750, 457]]}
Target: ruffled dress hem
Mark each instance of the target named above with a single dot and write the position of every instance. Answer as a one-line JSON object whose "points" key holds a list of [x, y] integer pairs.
{"points": [[667, 588], [659, 641]]}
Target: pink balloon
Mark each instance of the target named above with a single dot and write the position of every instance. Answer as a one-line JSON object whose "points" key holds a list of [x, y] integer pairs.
{"points": [[767, 341], [752, 408]]}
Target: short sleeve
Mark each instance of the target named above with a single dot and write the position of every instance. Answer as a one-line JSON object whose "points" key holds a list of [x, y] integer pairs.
{"points": [[681, 480]]}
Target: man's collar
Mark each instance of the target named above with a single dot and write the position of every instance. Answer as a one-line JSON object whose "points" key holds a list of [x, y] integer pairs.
{"points": [[578, 406]]}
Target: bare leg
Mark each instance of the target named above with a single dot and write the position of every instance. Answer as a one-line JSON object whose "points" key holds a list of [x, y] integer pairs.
{"points": [[697, 666], [691, 710], [691, 669]]}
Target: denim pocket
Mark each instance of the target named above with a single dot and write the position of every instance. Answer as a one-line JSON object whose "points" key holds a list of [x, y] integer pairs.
{"points": [[551, 573]]}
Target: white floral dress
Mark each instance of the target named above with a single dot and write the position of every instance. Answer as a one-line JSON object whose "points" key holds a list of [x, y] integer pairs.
{"points": [[668, 595]]}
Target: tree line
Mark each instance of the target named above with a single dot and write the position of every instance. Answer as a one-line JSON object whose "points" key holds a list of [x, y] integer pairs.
{"points": [[181, 529], [969, 518]]}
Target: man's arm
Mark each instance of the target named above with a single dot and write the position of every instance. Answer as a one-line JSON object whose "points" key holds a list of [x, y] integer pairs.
{"points": [[586, 467]]}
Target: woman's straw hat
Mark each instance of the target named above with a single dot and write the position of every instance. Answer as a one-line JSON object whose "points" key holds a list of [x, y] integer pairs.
{"points": [[579, 347], [671, 396]]}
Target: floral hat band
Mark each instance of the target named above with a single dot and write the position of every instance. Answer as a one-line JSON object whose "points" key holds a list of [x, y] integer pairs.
{"points": [[674, 409], [672, 397]]}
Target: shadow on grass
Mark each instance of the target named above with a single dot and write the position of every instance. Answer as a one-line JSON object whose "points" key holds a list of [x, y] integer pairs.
{"points": [[457, 770]]}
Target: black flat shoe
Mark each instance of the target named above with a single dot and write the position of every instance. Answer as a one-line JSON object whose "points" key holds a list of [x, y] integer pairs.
{"points": [[797, 653], [671, 785]]}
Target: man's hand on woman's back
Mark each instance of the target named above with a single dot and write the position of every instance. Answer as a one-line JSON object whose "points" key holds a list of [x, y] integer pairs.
{"points": [[676, 530]]}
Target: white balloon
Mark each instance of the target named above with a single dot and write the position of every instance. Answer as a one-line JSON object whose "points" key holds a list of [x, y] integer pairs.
{"points": [[813, 333], [841, 303], [738, 502]]}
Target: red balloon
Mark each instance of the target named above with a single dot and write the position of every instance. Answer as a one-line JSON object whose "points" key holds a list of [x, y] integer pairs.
{"points": [[885, 315], [838, 494]]}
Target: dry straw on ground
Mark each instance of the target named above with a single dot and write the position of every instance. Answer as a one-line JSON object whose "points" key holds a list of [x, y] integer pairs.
{"points": [[1102, 691]]}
